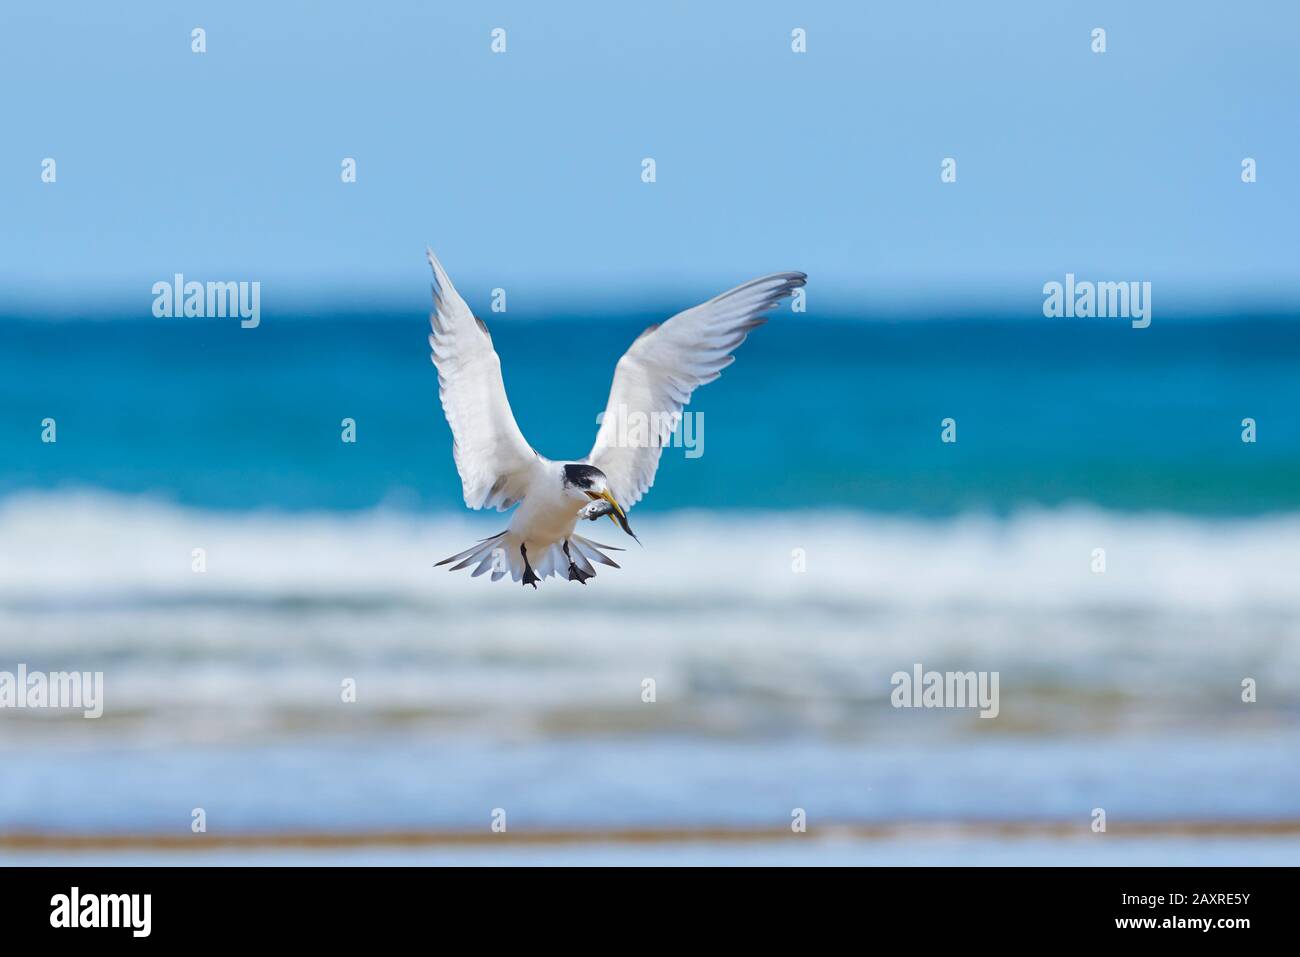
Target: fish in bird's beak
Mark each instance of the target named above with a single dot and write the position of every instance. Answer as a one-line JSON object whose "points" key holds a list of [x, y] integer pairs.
{"points": [[617, 516]]}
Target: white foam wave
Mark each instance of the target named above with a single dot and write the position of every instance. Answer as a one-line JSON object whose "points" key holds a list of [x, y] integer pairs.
{"points": [[713, 609], [82, 546]]}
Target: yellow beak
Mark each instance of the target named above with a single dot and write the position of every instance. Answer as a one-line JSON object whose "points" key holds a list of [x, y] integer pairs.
{"points": [[618, 516], [609, 498]]}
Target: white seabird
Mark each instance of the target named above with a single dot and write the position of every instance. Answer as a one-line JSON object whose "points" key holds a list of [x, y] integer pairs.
{"points": [[499, 469]]}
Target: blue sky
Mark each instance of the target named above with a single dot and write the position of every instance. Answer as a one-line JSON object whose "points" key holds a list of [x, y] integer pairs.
{"points": [[523, 169]]}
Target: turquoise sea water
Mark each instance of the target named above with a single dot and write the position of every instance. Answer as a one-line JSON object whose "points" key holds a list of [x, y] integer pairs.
{"points": [[814, 414]]}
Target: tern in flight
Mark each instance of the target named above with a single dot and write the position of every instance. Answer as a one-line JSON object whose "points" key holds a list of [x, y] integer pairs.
{"points": [[499, 469]]}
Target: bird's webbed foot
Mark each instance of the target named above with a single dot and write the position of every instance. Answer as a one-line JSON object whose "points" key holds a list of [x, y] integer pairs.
{"points": [[576, 574], [529, 577]]}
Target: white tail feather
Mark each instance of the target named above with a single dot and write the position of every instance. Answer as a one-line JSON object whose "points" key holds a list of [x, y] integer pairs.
{"points": [[500, 555]]}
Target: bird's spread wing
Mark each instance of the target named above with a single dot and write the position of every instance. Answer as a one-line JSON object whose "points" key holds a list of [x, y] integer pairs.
{"points": [[494, 460], [657, 375]]}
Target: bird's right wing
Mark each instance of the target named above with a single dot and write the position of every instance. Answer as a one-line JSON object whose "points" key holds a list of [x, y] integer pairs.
{"points": [[661, 369], [494, 461]]}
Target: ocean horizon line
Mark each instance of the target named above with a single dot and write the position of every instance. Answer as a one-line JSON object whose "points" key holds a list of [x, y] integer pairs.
{"points": [[1023, 303]]}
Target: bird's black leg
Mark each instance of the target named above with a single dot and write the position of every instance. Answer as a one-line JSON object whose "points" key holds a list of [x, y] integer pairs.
{"points": [[529, 577], [576, 574]]}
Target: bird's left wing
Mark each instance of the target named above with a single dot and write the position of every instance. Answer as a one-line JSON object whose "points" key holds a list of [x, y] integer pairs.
{"points": [[661, 369], [494, 461]]}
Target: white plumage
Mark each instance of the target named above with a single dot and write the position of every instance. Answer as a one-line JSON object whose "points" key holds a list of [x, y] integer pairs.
{"points": [[652, 382]]}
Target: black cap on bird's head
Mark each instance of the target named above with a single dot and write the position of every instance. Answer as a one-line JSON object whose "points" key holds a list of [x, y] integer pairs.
{"points": [[583, 476], [592, 482]]}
